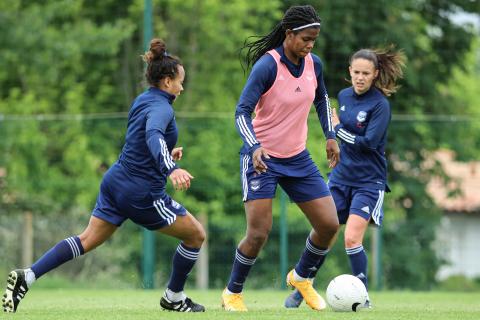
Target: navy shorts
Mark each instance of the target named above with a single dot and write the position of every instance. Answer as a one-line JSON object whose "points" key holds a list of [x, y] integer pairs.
{"points": [[297, 175], [364, 202], [123, 196]]}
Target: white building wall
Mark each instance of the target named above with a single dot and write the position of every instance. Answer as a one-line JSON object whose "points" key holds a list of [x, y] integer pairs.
{"points": [[458, 242]]}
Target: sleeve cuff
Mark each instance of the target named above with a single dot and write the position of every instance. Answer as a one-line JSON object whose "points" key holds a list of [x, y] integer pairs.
{"points": [[169, 172], [253, 148], [338, 127]]}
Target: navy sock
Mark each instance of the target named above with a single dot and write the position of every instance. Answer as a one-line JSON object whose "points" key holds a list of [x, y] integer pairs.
{"points": [[183, 261], [241, 268], [358, 263], [62, 252], [311, 260], [313, 274]]}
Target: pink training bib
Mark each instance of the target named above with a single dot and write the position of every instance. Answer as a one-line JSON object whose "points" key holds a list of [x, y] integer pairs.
{"points": [[280, 123]]}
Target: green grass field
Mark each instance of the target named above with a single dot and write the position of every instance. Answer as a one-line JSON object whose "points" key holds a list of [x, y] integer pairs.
{"points": [[138, 304]]}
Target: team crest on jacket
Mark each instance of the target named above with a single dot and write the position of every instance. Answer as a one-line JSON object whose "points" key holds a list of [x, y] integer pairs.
{"points": [[255, 185], [362, 116]]}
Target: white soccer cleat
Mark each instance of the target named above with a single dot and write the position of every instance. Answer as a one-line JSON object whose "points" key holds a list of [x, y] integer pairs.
{"points": [[15, 291]]}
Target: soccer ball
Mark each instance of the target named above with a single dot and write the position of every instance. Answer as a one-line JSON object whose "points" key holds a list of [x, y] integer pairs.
{"points": [[346, 293]]}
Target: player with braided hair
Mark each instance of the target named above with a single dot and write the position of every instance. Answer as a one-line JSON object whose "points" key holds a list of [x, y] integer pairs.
{"points": [[285, 80], [134, 188]]}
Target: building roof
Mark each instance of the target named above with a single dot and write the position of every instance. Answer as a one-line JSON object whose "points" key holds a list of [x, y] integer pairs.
{"points": [[465, 178]]}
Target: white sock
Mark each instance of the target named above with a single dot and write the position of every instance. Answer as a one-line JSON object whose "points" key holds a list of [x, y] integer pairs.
{"points": [[296, 277], [175, 296], [29, 277], [229, 292]]}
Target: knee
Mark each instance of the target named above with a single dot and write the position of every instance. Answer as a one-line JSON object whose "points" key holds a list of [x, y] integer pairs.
{"points": [[331, 228], [87, 241], [197, 237], [200, 236], [351, 241], [258, 236]]}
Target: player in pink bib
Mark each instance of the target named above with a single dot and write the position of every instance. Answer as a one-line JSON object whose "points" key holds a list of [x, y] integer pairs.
{"points": [[281, 113], [285, 80]]}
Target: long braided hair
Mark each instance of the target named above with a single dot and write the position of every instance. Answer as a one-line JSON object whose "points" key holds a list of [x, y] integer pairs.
{"points": [[295, 16], [389, 63]]}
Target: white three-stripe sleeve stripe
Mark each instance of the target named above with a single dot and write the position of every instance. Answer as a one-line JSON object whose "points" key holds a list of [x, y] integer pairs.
{"points": [[329, 113], [187, 254], [245, 131], [245, 161], [345, 136], [73, 247], [250, 133], [166, 155], [378, 207]]}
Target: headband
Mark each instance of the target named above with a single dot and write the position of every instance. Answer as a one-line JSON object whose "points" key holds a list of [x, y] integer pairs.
{"points": [[314, 24]]}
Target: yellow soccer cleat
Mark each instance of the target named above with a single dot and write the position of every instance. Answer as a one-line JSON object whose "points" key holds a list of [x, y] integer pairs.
{"points": [[233, 302], [309, 294]]}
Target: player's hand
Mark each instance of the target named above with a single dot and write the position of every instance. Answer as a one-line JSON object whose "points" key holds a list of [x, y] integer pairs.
{"points": [[257, 160], [180, 179], [335, 119], [177, 153], [333, 153]]}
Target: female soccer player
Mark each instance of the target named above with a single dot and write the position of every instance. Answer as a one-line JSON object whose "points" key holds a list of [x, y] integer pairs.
{"points": [[286, 78], [359, 182], [134, 188]]}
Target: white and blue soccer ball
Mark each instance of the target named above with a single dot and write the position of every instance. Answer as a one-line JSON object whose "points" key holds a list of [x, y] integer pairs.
{"points": [[346, 293]]}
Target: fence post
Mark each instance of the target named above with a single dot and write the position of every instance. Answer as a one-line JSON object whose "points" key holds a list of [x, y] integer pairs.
{"points": [[202, 263], [27, 239], [283, 237], [148, 261], [376, 244]]}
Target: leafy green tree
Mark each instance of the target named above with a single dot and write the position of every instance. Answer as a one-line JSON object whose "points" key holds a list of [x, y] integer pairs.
{"points": [[56, 59]]}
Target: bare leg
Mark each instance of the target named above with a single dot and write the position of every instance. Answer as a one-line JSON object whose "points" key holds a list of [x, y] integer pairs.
{"points": [[97, 232], [259, 224], [187, 229], [355, 231], [322, 215]]}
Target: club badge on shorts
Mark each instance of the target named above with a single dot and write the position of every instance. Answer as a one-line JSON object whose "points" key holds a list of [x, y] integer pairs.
{"points": [[255, 185]]}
